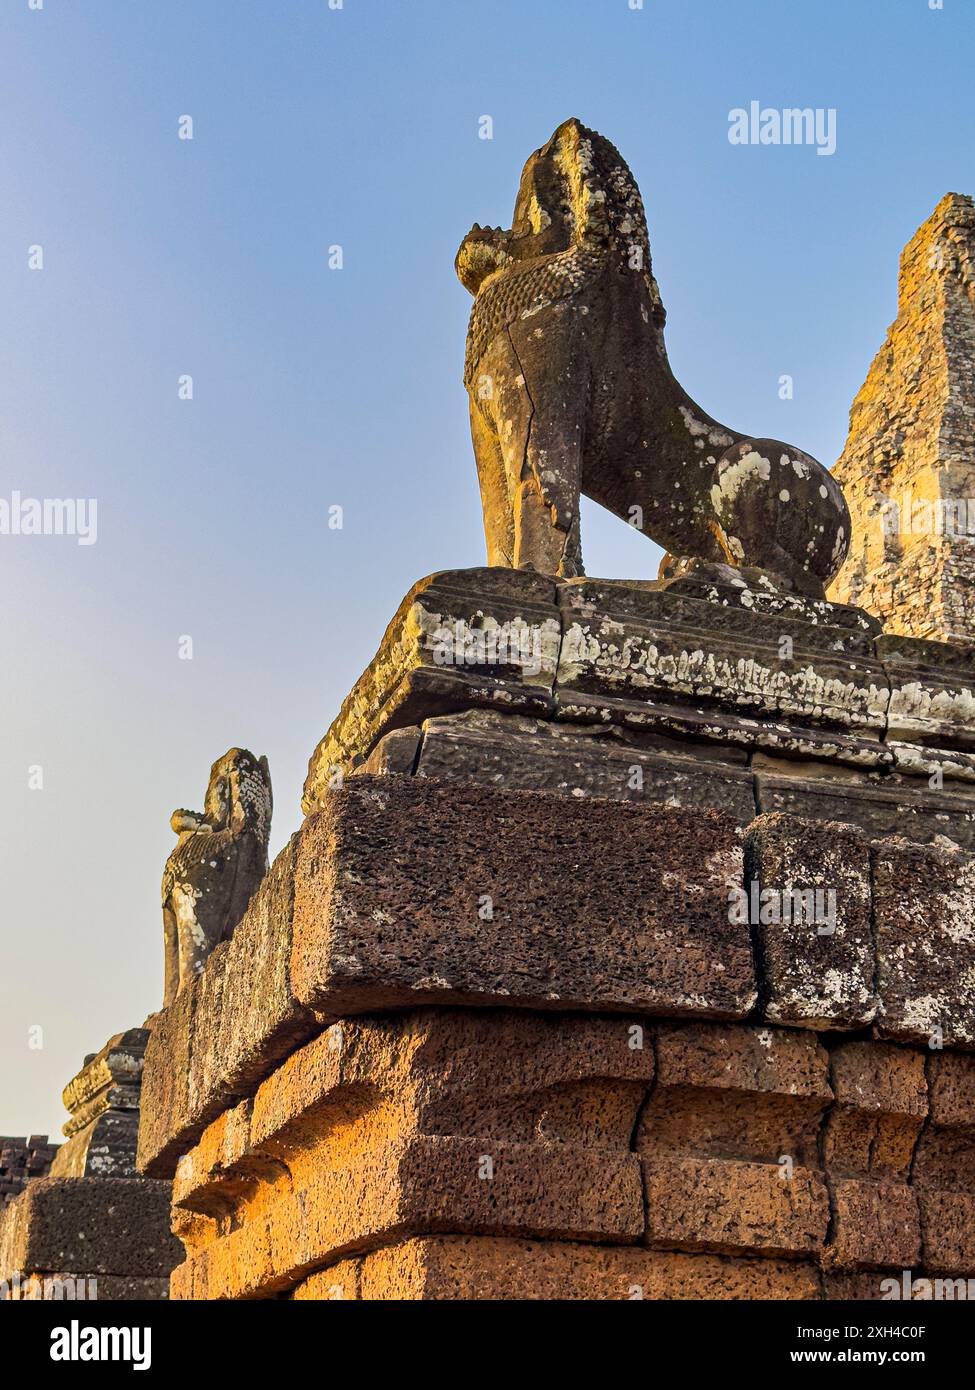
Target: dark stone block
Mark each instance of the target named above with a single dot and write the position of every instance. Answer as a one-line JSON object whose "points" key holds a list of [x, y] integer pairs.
{"points": [[411, 891]]}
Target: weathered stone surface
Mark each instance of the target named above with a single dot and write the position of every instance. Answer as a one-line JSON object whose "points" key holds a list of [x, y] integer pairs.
{"points": [[105, 1148], [951, 766], [462, 639], [924, 909], [881, 1105], [747, 589], [514, 898], [948, 1230], [396, 752], [733, 1207], [932, 695], [215, 869], [99, 1225], [483, 1123], [810, 912], [22, 1160], [880, 804], [341, 1280], [625, 647], [165, 1112], [495, 906], [495, 1154], [845, 1287], [908, 467], [103, 1101], [951, 1086], [498, 1073], [944, 1166], [729, 1140], [875, 1225], [681, 678], [570, 391], [492, 1267], [226, 1029], [736, 1092], [111, 1080], [605, 760], [753, 1059], [105, 1288]]}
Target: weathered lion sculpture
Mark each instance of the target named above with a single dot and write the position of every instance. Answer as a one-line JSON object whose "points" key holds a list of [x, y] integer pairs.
{"points": [[217, 865], [571, 391]]}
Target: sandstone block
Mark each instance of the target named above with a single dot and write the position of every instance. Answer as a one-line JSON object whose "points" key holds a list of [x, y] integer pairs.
{"points": [[514, 898], [924, 904], [461, 639], [603, 760], [880, 806], [881, 1105], [99, 1225], [490, 1268], [395, 753], [111, 1080], [932, 695], [875, 1225], [625, 646], [728, 1090], [813, 932], [733, 1207]]}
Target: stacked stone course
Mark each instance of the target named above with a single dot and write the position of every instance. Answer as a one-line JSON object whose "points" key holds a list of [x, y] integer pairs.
{"points": [[493, 1027], [91, 1227]]}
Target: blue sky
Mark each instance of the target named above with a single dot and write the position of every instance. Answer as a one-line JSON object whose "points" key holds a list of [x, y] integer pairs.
{"points": [[315, 387]]}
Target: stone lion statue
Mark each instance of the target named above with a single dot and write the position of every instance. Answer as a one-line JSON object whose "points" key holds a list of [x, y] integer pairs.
{"points": [[571, 391], [219, 860]]}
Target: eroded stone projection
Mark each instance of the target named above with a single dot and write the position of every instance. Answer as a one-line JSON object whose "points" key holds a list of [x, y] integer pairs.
{"points": [[571, 391], [216, 867], [604, 1087], [909, 462]]}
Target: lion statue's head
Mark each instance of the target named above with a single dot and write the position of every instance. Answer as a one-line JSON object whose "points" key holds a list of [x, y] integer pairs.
{"points": [[238, 797], [576, 195]]}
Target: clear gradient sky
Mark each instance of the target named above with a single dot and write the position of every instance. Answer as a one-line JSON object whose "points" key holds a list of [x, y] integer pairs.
{"points": [[316, 387]]}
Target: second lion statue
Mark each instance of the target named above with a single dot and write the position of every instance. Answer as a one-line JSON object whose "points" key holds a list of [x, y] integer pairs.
{"points": [[216, 866], [571, 391]]}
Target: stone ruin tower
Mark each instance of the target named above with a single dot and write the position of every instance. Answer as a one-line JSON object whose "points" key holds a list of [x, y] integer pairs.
{"points": [[625, 950], [908, 467]]}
